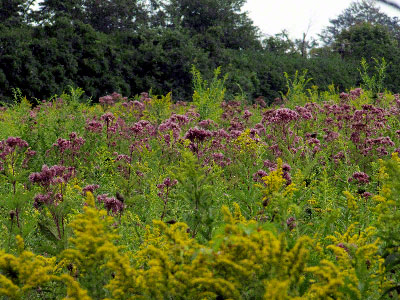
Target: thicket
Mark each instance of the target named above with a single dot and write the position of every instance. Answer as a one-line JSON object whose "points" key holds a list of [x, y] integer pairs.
{"points": [[135, 46]]}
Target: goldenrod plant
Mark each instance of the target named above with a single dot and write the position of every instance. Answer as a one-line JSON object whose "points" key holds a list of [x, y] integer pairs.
{"points": [[208, 97], [21, 274]]}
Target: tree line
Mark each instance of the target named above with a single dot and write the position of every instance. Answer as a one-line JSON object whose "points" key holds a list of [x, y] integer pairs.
{"points": [[131, 46]]}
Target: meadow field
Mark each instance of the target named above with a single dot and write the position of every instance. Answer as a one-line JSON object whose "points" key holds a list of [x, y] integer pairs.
{"points": [[148, 198]]}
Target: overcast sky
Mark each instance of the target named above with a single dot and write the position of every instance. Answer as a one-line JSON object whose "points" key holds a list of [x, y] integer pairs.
{"points": [[296, 16]]}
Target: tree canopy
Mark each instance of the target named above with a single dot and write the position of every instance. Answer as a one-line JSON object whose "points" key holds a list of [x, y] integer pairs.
{"points": [[364, 11], [130, 46]]}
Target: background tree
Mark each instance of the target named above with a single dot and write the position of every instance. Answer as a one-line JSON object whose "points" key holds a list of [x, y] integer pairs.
{"points": [[214, 23], [50, 10], [366, 40], [364, 11], [103, 15], [305, 44], [14, 12], [115, 15], [280, 43], [131, 46]]}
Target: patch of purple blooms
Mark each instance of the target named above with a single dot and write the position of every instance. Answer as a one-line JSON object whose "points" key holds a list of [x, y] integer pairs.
{"points": [[9, 148], [110, 100], [360, 177], [53, 175], [111, 204], [197, 134], [94, 126], [90, 188]]}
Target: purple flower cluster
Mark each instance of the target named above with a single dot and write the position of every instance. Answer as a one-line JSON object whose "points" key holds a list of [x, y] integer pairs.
{"points": [[197, 134], [260, 101], [53, 175], [135, 107], [354, 94], [280, 116], [142, 128], [313, 141], [291, 223], [379, 144], [110, 100], [207, 124], [73, 144], [330, 135], [94, 126], [220, 159], [43, 199], [247, 114], [260, 129], [47, 178], [14, 142], [107, 117], [111, 204], [144, 97], [270, 165], [360, 177], [170, 124], [286, 175], [338, 157], [180, 119], [257, 176], [382, 141], [231, 109], [12, 145], [90, 188], [122, 157], [236, 125], [167, 183], [304, 112], [339, 112]]}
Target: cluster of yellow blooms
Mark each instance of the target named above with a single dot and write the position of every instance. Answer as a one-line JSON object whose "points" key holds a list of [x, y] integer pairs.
{"points": [[246, 144]]}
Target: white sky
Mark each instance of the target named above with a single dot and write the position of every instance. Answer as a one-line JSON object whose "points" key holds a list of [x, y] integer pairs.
{"points": [[296, 16]]}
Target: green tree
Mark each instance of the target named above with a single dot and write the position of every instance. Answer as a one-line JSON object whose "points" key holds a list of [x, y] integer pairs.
{"points": [[14, 12], [52, 9], [17, 64], [103, 15], [116, 15], [366, 40], [365, 11], [280, 43], [213, 23]]}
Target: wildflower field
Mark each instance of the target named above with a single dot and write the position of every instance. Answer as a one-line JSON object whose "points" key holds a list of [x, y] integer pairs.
{"points": [[147, 198]]}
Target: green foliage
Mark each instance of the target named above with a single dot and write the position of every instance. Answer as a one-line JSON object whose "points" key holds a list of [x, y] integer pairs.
{"points": [[389, 215], [374, 83], [159, 107], [366, 40], [359, 12], [101, 50], [74, 95], [208, 97], [195, 190], [296, 88]]}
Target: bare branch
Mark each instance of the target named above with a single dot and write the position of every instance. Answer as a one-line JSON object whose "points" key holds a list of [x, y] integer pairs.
{"points": [[390, 3]]}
